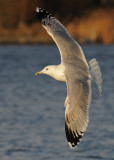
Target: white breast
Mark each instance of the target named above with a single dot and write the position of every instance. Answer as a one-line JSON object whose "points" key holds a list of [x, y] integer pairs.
{"points": [[59, 73]]}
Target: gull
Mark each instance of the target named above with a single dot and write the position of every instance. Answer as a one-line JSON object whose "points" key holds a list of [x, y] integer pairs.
{"points": [[83, 80]]}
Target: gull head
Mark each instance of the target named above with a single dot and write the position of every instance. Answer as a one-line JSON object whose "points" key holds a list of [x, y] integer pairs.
{"points": [[49, 70], [55, 71]]}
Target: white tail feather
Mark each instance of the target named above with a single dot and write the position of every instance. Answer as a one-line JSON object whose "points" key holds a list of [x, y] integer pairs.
{"points": [[96, 79]]}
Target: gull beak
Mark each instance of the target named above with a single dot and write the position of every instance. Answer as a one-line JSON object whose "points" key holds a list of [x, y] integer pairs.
{"points": [[37, 73]]}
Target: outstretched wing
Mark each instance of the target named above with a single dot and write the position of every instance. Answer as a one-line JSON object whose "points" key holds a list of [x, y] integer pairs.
{"points": [[49, 22], [67, 46], [77, 105]]}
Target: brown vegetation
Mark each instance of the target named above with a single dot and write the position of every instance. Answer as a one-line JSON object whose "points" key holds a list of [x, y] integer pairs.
{"points": [[87, 21], [98, 28]]}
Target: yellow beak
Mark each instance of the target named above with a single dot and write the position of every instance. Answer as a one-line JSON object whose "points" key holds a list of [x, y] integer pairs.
{"points": [[37, 73]]}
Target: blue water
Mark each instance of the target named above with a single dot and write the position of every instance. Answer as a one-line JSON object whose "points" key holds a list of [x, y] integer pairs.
{"points": [[32, 107]]}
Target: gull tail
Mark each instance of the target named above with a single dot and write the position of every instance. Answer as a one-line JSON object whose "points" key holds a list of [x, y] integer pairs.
{"points": [[96, 79]]}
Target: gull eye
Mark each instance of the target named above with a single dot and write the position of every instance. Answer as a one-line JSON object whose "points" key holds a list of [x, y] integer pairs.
{"points": [[46, 69]]}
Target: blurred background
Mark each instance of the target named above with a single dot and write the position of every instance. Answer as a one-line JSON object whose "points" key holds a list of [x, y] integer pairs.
{"points": [[87, 21]]}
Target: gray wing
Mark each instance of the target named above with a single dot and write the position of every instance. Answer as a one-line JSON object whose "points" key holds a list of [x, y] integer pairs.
{"points": [[68, 47], [77, 104]]}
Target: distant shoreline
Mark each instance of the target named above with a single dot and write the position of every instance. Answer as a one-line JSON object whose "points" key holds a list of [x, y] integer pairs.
{"points": [[31, 41], [98, 28], [23, 41]]}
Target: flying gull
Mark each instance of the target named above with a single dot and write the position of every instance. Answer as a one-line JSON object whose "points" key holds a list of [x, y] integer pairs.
{"points": [[83, 80]]}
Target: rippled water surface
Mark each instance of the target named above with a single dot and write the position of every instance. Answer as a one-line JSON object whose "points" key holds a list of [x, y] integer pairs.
{"points": [[32, 107]]}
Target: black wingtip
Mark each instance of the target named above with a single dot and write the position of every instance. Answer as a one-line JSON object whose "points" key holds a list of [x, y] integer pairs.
{"points": [[72, 137], [42, 14]]}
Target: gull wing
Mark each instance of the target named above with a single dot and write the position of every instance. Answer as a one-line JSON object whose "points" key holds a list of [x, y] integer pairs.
{"points": [[67, 46], [77, 104]]}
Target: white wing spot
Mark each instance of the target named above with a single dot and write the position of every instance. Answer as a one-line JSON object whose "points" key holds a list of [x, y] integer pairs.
{"points": [[37, 9]]}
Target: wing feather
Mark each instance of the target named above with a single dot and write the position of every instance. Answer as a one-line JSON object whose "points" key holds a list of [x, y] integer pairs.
{"points": [[77, 107], [68, 47], [49, 22]]}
